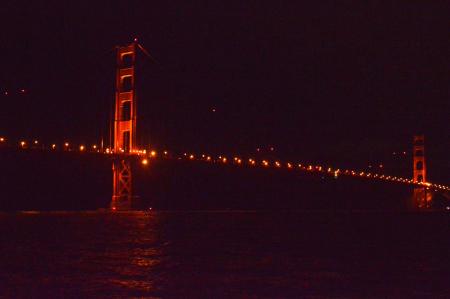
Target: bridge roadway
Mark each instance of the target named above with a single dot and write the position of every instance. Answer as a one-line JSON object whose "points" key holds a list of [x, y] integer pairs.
{"points": [[146, 156]]}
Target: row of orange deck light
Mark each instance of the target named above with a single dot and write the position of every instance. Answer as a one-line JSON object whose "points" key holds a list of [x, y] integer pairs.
{"points": [[66, 145], [251, 162], [308, 168]]}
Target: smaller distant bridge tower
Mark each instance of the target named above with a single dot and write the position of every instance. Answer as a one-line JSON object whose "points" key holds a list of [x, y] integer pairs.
{"points": [[421, 197], [419, 159]]}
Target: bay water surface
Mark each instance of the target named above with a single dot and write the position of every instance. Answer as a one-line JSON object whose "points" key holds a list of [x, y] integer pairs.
{"points": [[224, 254]]}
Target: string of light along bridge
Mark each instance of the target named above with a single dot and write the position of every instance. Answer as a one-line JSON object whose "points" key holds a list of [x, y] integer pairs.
{"points": [[147, 155]]}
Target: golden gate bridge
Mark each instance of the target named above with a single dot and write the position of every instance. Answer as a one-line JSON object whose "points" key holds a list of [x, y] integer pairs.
{"points": [[124, 148]]}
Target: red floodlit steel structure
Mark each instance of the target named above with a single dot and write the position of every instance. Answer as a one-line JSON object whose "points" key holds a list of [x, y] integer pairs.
{"points": [[124, 124], [421, 197], [125, 108]]}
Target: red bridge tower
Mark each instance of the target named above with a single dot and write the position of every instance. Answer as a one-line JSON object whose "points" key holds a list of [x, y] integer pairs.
{"points": [[124, 125], [421, 197], [125, 112]]}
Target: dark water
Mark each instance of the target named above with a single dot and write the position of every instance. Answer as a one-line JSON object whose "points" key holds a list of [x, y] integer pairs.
{"points": [[225, 254]]}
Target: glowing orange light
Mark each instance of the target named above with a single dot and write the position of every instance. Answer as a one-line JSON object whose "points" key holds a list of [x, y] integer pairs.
{"points": [[66, 144], [289, 165], [191, 157], [22, 143], [81, 148], [2, 139], [153, 153], [265, 163], [53, 146], [36, 142], [165, 152], [94, 146], [224, 160], [239, 161], [208, 158], [144, 161], [277, 164]]}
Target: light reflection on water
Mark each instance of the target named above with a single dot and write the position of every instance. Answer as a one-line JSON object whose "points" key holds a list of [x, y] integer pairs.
{"points": [[222, 254]]}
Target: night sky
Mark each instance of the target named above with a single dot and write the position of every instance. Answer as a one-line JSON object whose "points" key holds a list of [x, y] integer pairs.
{"points": [[355, 79]]}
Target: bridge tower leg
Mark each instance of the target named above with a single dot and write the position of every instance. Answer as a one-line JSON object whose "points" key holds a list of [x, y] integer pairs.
{"points": [[420, 197], [122, 184], [124, 126]]}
